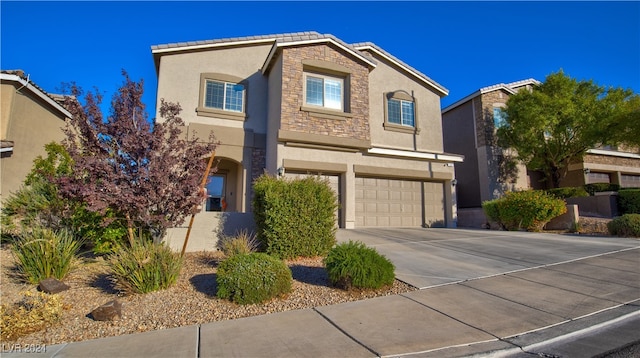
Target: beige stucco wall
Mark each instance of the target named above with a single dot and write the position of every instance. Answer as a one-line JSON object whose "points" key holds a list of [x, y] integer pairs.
{"points": [[30, 123], [179, 81], [273, 121], [385, 78]]}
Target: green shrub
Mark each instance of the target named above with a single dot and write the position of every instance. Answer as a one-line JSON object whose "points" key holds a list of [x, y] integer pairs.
{"points": [[34, 312], [352, 264], [529, 210], [253, 278], [629, 201], [599, 187], [243, 243], [105, 233], [627, 225], [43, 253], [295, 217], [145, 266], [568, 192]]}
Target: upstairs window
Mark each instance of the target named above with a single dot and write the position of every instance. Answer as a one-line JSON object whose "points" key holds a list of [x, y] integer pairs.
{"points": [[224, 95], [498, 117], [400, 112], [324, 91]]}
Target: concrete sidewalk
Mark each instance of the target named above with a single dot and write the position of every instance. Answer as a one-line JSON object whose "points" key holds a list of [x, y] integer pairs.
{"points": [[513, 306]]}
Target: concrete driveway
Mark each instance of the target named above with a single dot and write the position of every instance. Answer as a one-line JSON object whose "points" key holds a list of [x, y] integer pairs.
{"points": [[431, 257]]}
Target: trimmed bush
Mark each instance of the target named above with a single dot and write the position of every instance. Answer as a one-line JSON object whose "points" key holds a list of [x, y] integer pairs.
{"points": [[599, 187], [243, 243], [352, 264], [627, 225], [529, 210], [43, 253], [568, 192], [295, 217], [145, 267], [253, 278], [629, 201], [34, 312]]}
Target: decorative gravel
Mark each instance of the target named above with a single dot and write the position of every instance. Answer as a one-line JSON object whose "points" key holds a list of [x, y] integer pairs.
{"points": [[192, 300]]}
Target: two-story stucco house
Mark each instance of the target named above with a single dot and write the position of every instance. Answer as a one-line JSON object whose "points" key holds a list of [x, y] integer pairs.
{"points": [[469, 127], [308, 103], [30, 118]]}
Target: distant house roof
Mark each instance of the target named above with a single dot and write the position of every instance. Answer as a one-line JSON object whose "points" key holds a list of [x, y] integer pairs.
{"points": [[24, 82], [293, 39], [508, 87]]}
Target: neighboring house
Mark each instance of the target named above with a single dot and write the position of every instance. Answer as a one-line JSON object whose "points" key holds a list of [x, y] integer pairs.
{"points": [[469, 127], [30, 118], [308, 103]]}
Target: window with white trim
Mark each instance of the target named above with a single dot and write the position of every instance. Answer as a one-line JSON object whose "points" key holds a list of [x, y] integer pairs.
{"points": [[400, 112], [224, 95], [324, 91]]}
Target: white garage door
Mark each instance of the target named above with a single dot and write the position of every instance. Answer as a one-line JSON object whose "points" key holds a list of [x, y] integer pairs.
{"points": [[394, 202]]}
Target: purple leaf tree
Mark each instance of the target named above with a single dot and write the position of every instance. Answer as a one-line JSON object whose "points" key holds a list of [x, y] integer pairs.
{"points": [[147, 172]]}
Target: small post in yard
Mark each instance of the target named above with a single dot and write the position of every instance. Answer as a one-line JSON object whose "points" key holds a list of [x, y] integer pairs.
{"points": [[202, 184]]}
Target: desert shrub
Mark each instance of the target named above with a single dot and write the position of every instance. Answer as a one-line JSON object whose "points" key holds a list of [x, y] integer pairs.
{"points": [[253, 278], [529, 210], [145, 266], [104, 233], [34, 312], [352, 264], [43, 253], [295, 217], [242, 243], [568, 192], [599, 187], [629, 201], [627, 225]]}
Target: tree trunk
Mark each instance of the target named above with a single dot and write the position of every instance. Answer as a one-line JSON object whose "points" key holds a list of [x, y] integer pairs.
{"points": [[130, 230]]}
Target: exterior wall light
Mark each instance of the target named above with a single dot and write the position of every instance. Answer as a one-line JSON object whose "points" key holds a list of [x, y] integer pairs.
{"points": [[587, 171], [280, 171], [454, 182]]}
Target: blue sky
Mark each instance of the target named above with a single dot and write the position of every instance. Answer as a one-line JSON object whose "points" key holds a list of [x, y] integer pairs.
{"points": [[461, 45]]}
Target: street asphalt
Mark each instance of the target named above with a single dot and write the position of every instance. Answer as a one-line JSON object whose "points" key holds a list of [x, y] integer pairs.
{"points": [[482, 293]]}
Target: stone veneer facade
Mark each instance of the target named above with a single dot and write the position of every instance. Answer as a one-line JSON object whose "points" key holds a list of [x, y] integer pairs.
{"points": [[294, 118]]}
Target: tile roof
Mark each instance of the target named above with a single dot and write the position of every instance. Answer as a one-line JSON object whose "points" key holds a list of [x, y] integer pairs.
{"points": [[294, 37], [364, 45], [509, 87], [287, 37], [54, 99]]}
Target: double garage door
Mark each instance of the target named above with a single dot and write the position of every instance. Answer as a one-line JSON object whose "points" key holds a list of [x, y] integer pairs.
{"points": [[395, 202]]}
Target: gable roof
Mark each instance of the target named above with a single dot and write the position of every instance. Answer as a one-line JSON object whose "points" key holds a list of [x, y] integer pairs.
{"points": [[358, 50], [370, 46], [312, 38], [278, 40], [507, 87], [19, 78]]}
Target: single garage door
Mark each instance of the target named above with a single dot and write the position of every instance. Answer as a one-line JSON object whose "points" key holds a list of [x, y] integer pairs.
{"points": [[394, 202]]}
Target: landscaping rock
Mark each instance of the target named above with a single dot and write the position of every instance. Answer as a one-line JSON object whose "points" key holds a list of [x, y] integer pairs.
{"points": [[108, 311], [51, 285]]}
